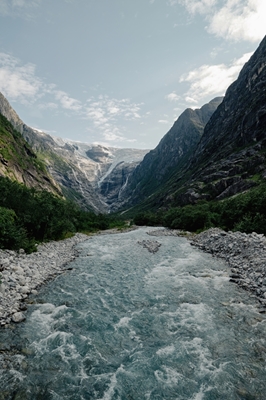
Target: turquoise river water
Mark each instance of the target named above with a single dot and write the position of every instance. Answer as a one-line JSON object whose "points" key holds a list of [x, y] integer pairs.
{"points": [[126, 324]]}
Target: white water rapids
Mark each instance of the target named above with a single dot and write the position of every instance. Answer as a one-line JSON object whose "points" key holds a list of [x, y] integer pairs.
{"points": [[126, 324]]}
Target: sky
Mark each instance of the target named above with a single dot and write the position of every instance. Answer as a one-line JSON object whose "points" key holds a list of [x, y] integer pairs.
{"points": [[120, 72]]}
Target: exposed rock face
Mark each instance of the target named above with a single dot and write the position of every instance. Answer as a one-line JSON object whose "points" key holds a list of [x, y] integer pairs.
{"points": [[172, 153], [113, 185], [96, 172], [222, 159], [83, 171], [232, 147]]}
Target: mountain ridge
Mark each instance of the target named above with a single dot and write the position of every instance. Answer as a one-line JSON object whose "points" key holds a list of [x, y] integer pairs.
{"points": [[173, 151], [230, 156]]}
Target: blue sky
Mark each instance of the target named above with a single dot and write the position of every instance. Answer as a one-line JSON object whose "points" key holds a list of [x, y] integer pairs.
{"points": [[120, 72]]}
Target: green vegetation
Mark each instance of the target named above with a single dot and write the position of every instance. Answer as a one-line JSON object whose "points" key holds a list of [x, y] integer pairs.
{"points": [[14, 148], [245, 212], [28, 216]]}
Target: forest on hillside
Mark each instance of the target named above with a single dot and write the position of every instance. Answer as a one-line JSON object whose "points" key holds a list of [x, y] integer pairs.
{"points": [[245, 212], [28, 216]]}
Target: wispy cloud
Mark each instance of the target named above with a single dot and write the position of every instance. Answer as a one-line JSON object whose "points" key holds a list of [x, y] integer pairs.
{"points": [[172, 2], [18, 82], [105, 113], [212, 80], [67, 102], [231, 19], [21, 8], [198, 6], [107, 116], [172, 97]]}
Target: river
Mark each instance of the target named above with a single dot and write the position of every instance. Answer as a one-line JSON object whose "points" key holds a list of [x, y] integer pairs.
{"points": [[125, 324]]}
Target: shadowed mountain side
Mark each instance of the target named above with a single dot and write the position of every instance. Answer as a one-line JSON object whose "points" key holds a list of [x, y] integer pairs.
{"points": [[228, 158], [171, 155]]}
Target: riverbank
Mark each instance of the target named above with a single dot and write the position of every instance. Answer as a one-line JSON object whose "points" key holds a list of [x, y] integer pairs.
{"points": [[244, 253], [22, 274]]}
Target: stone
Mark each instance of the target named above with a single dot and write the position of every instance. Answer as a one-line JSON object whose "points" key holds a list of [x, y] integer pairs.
{"points": [[18, 270], [18, 317], [25, 290]]}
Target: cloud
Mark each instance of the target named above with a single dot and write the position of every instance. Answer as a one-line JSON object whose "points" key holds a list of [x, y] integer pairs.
{"points": [[190, 100], [48, 106], [240, 20], [231, 19], [172, 97], [106, 115], [18, 82], [163, 121], [172, 2], [212, 80], [67, 102], [198, 6], [21, 8]]}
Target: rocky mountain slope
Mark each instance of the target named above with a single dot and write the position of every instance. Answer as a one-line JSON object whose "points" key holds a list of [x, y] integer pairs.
{"points": [[229, 157], [172, 154], [85, 173], [19, 162]]}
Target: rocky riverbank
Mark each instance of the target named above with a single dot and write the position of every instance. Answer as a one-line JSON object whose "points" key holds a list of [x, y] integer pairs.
{"points": [[22, 274], [244, 253]]}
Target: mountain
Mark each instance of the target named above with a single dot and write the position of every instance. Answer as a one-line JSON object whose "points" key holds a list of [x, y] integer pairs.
{"points": [[82, 171], [172, 154], [228, 157], [19, 162], [88, 173]]}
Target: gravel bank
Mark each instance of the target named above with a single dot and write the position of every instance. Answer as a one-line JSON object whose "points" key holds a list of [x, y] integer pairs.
{"points": [[22, 274], [244, 253]]}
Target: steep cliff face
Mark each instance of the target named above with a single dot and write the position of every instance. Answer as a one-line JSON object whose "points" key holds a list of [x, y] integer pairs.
{"points": [[240, 119], [171, 155], [230, 156]]}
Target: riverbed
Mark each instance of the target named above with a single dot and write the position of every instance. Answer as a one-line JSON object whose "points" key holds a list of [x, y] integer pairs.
{"points": [[127, 323]]}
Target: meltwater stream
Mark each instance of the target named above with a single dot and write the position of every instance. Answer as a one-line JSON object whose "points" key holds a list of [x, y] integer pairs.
{"points": [[126, 324]]}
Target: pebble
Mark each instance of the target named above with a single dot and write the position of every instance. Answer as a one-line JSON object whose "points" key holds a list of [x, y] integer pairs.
{"points": [[22, 274]]}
